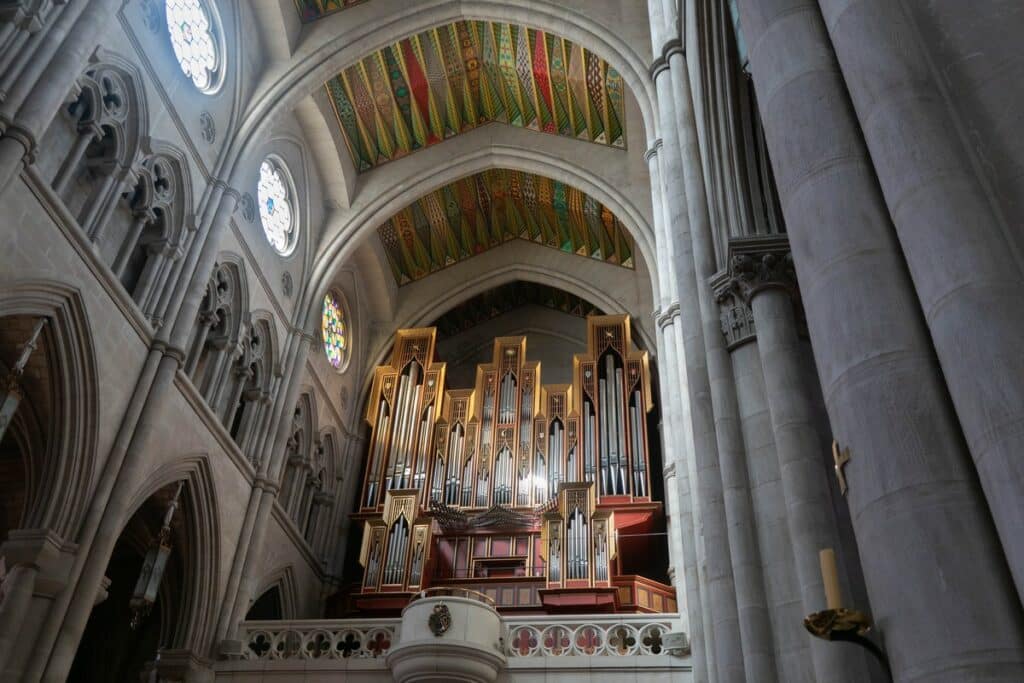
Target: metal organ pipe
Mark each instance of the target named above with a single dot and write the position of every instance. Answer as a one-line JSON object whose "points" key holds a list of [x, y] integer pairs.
{"points": [[383, 420], [639, 460], [620, 483], [589, 438], [602, 423]]}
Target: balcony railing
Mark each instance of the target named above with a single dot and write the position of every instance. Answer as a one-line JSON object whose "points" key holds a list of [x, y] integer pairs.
{"points": [[319, 639], [525, 636], [589, 636]]}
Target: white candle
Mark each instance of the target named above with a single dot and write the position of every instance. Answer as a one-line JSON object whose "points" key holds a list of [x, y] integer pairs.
{"points": [[830, 577]]}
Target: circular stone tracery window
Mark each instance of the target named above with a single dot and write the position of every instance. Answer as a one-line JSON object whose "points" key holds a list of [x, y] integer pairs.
{"points": [[334, 331], [277, 214], [198, 42]]}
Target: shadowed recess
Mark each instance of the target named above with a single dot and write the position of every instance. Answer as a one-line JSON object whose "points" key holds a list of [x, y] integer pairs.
{"points": [[506, 298], [482, 211], [310, 10], [444, 81]]}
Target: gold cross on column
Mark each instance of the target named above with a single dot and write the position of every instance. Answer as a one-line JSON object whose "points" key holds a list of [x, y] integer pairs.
{"points": [[840, 458]]}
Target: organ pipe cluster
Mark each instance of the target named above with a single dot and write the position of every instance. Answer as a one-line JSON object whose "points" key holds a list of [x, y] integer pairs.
{"points": [[571, 453]]}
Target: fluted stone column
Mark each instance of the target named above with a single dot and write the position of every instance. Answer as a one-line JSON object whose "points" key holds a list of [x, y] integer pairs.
{"points": [[763, 271], [966, 265], [912, 491]]}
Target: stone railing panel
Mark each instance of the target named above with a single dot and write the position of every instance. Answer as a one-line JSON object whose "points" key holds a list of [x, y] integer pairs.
{"points": [[615, 637], [319, 639]]}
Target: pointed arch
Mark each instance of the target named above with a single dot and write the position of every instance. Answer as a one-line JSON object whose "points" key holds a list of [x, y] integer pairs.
{"points": [[195, 629], [59, 493]]}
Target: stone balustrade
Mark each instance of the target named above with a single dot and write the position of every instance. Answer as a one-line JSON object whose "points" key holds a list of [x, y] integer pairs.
{"points": [[525, 636]]}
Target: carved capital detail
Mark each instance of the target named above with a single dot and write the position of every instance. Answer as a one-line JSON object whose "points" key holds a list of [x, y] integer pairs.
{"points": [[760, 263]]}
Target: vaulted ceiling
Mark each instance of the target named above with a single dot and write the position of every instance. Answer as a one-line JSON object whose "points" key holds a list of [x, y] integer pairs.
{"points": [[506, 298], [482, 211], [453, 78]]}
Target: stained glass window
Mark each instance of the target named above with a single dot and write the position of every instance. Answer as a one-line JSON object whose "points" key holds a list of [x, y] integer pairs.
{"points": [[276, 213], [196, 38], [333, 329]]}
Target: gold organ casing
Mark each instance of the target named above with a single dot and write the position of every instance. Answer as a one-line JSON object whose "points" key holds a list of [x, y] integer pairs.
{"points": [[530, 477]]}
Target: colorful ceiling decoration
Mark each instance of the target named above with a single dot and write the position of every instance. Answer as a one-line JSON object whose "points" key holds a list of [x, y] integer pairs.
{"points": [[482, 211], [310, 10], [508, 297], [450, 79]]}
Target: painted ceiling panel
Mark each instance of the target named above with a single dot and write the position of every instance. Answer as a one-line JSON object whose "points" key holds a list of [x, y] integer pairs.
{"points": [[452, 78], [506, 298], [482, 211], [310, 10]]}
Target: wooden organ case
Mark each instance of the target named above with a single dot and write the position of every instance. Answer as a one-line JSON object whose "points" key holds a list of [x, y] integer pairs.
{"points": [[512, 488]]}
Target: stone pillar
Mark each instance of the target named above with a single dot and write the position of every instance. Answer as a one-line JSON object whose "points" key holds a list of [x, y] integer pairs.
{"points": [[751, 600], [679, 439], [753, 634], [65, 622], [762, 269], [965, 262], [791, 643], [705, 480], [912, 489]]}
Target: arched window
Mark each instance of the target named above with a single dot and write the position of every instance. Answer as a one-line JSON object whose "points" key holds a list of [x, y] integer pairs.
{"points": [[277, 213], [335, 331], [198, 42]]}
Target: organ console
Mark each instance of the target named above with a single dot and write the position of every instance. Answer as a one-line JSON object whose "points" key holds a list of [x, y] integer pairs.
{"points": [[514, 488]]}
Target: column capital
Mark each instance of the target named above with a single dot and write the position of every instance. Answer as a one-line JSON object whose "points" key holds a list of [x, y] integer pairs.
{"points": [[734, 312], [652, 151], [760, 263], [668, 316]]}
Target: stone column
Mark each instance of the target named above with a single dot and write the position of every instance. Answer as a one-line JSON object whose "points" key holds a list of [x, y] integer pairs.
{"points": [[62, 630], [912, 489], [751, 600], [246, 564], [679, 436], [706, 482], [782, 593], [754, 632], [966, 264], [762, 269]]}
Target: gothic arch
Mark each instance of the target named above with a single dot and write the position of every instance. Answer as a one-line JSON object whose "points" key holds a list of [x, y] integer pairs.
{"points": [[283, 578], [399, 192], [63, 473], [195, 629], [338, 41]]}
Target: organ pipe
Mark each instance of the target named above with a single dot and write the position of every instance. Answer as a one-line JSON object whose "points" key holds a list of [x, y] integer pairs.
{"points": [[508, 441]]}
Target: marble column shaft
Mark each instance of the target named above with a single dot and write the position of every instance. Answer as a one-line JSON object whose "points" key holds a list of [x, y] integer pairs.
{"points": [[966, 268], [912, 494]]}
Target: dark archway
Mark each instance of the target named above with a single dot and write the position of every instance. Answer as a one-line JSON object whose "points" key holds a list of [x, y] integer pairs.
{"points": [[110, 648]]}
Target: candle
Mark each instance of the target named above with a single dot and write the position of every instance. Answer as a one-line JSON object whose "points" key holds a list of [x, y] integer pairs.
{"points": [[830, 577]]}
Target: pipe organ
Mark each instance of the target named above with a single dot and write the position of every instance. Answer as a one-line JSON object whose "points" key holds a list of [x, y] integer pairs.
{"points": [[511, 487]]}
